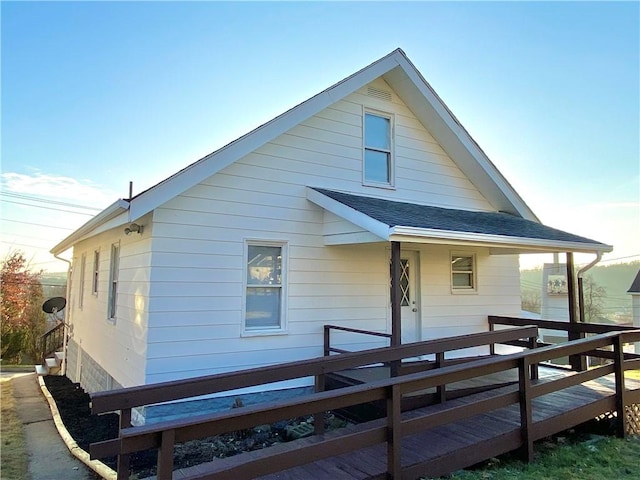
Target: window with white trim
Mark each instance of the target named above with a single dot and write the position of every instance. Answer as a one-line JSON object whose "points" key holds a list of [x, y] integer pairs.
{"points": [[463, 272], [96, 272], [83, 268], [378, 151], [265, 287], [114, 265]]}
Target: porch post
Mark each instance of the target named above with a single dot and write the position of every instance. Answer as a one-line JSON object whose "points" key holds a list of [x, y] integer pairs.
{"points": [[577, 362], [395, 294]]}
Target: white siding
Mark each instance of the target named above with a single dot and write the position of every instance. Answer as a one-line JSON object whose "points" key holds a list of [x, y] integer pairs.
{"points": [[196, 293], [119, 347]]}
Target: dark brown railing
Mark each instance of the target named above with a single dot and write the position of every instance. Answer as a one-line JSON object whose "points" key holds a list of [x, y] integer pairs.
{"points": [[126, 399], [328, 349], [52, 341], [163, 436]]}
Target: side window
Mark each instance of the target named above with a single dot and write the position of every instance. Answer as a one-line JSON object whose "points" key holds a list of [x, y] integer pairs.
{"points": [[113, 280], [96, 272], [83, 268], [463, 272], [265, 287], [378, 151]]}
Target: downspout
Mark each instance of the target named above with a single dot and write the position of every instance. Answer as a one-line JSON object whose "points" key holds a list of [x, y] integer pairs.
{"points": [[63, 368], [580, 288]]}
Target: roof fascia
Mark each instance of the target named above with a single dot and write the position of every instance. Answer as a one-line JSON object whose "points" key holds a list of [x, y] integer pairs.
{"points": [[412, 234], [117, 208], [455, 139], [216, 161], [356, 217]]}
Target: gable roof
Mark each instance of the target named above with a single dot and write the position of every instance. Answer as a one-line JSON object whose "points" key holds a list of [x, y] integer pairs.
{"points": [[635, 286], [406, 81], [391, 220]]}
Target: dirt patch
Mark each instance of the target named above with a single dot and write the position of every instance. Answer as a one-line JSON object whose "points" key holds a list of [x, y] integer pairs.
{"points": [[85, 428]]}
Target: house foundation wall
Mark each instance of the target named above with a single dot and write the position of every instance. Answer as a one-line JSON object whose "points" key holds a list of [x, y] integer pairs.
{"points": [[83, 369]]}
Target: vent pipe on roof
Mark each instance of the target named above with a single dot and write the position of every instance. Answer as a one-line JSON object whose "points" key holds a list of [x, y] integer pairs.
{"points": [[580, 288]]}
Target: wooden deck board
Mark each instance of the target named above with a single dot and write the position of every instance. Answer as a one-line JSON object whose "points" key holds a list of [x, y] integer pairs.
{"points": [[455, 445]]}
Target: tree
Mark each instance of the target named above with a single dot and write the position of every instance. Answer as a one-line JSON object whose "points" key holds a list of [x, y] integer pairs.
{"points": [[531, 301], [593, 295], [22, 321]]}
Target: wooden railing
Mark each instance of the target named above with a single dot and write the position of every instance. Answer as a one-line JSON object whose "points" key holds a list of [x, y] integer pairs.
{"points": [[163, 436], [52, 341], [124, 400], [328, 349]]}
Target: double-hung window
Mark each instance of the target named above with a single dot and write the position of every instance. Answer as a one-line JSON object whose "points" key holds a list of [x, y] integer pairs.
{"points": [[83, 268], [96, 272], [113, 280], [378, 153], [265, 287], [463, 272]]}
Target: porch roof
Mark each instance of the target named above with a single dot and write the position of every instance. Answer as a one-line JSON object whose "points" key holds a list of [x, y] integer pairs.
{"points": [[409, 222]]}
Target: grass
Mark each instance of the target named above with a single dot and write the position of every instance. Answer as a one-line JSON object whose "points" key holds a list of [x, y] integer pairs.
{"points": [[13, 451], [596, 458]]}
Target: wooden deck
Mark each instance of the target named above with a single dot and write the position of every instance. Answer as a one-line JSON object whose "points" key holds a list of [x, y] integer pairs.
{"points": [[412, 438], [445, 448]]}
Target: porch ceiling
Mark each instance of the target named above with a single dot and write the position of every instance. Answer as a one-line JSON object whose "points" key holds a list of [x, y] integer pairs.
{"points": [[386, 220]]}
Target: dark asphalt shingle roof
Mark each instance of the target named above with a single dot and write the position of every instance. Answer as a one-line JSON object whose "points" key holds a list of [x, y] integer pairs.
{"points": [[395, 214], [635, 286]]}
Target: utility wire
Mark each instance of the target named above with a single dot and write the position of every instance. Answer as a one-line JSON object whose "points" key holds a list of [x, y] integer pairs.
{"points": [[37, 224], [34, 198], [48, 208]]}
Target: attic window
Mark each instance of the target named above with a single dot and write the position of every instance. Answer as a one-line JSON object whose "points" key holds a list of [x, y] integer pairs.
{"points": [[378, 152]]}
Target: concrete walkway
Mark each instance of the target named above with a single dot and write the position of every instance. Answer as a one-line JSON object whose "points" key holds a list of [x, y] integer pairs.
{"points": [[49, 457]]}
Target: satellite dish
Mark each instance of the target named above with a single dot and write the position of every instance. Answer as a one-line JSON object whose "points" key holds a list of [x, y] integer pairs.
{"points": [[54, 305]]}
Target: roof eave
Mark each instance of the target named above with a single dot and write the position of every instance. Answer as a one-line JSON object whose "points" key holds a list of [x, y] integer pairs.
{"points": [[112, 211], [524, 244]]}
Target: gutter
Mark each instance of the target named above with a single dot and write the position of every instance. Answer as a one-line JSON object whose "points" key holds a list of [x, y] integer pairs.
{"points": [[67, 325], [580, 287]]}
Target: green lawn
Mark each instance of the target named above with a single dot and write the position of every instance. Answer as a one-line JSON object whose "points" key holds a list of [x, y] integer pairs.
{"points": [[13, 454], [597, 458]]}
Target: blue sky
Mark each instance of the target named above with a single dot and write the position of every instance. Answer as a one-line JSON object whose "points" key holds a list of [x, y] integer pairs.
{"points": [[97, 94]]}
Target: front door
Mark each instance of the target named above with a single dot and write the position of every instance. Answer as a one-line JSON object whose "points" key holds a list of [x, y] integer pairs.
{"points": [[410, 314]]}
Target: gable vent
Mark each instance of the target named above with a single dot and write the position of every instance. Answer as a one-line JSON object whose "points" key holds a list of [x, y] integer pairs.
{"points": [[377, 93]]}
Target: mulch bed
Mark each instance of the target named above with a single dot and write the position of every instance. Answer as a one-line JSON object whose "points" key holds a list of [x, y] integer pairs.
{"points": [[85, 428]]}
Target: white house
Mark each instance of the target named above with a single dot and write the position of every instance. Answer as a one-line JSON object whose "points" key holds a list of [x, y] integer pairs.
{"points": [[239, 259]]}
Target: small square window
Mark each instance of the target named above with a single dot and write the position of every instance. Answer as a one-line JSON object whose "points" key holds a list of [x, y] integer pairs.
{"points": [[378, 154], [463, 272]]}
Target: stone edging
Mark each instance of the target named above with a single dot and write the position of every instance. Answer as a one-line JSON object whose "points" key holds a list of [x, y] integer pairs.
{"points": [[96, 465]]}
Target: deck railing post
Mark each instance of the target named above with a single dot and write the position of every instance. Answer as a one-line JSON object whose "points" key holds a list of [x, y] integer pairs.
{"points": [[621, 427], [394, 438], [441, 389], [123, 459], [533, 343], [165, 455], [318, 418], [327, 340], [526, 416]]}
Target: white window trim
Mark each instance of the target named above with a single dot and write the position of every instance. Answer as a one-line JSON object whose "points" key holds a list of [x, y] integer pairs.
{"points": [[83, 270], [474, 274], [282, 329], [392, 170], [112, 296]]}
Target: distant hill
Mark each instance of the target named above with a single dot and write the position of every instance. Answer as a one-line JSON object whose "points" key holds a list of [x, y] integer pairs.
{"points": [[616, 280], [54, 284]]}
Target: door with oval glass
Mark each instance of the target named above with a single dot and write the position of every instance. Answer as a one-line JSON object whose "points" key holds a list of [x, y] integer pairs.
{"points": [[409, 295]]}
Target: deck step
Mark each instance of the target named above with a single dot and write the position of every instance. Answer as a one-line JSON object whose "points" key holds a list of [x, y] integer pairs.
{"points": [[59, 356], [41, 370], [51, 363]]}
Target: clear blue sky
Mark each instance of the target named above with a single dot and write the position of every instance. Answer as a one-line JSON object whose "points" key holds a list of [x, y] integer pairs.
{"points": [[97, 94]]}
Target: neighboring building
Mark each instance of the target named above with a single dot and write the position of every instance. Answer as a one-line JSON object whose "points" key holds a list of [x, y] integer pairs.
{"points": [[634, 291], [240, 259]]}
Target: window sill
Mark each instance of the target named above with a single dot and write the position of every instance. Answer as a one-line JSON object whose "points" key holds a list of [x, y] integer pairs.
{"points": [[385, 186], [263, 332], [464, 291]]}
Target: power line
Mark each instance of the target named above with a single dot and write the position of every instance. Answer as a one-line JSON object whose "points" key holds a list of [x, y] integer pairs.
{"points": [[47, 208], [34, 198], [37, 224]]}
